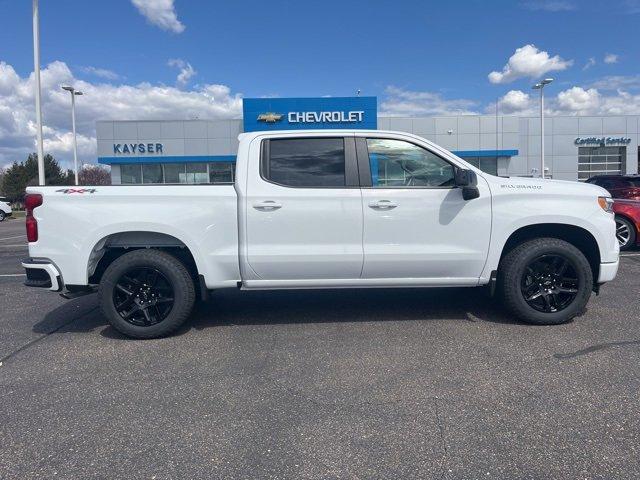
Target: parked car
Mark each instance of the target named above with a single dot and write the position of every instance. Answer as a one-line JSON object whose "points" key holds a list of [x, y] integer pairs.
{"points": [[324, 209], [625, 189], [5, 209], [627, 223], [619, 186]]}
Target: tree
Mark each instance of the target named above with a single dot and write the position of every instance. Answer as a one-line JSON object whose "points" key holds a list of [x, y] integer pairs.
{"points": [[94, 175], [14, 182], [2, 172], [19, 175]]}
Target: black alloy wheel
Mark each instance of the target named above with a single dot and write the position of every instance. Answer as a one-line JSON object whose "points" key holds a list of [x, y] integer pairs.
{"points": [[143, 296], [550, 283]]}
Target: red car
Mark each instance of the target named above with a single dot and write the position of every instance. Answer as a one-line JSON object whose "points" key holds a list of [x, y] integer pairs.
{"points": [[625, 189]]}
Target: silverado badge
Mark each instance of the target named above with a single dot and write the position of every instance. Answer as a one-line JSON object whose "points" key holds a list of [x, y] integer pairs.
{"points": [[269, 117]]}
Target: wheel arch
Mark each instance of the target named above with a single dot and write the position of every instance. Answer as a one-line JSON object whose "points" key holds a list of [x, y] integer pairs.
{"points": [[580, 237], [114, 245]]}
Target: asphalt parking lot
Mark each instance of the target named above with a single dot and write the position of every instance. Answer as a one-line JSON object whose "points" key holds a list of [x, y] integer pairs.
{"points": [[319, 384]]}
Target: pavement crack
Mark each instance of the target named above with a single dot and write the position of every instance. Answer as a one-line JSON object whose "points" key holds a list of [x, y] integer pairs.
{"points": [[443, 441], [42, 337], [595, 348]]}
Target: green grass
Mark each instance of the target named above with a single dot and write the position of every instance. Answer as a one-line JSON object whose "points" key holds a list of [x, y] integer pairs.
{"points": [[18, 214]]}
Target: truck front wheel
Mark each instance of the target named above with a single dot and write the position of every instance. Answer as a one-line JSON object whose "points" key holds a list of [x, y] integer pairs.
{"points": [[146, 294], [545, 281]]}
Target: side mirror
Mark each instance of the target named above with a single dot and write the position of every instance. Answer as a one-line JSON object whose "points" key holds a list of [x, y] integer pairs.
{"points": [[468, 181]]}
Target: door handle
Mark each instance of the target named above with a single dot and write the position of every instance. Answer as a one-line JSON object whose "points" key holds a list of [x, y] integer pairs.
{"points": [[267, 206], [383, 205]]}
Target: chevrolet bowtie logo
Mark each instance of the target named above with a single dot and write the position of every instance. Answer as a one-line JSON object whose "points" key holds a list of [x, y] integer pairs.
{"points": [[269, 117]]}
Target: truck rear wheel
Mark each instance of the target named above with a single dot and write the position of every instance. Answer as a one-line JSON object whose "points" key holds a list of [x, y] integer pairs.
{"points": [[146, 294], [545, 281]]}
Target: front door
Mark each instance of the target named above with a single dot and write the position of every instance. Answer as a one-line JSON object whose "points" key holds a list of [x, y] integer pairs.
{"points": [[416, 223], [304, 211]]}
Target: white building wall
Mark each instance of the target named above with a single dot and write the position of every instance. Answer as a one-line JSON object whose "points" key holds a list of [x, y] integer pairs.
{"points": [[467, 133]]}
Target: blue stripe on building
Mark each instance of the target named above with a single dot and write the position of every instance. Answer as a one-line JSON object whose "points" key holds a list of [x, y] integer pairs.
{"points": [[167, 159]]}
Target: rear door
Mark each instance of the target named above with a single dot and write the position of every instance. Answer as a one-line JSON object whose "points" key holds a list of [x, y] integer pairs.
{"points": [[304, 209], [416, 223]]}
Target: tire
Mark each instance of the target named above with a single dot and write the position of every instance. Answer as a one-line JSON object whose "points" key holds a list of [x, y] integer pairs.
{"points": [[140, 284], [537, 267], [2, 215], [625, 233]]}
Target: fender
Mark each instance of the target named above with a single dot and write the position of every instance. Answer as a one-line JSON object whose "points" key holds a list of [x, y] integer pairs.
{"points": [[98, 236], [501, 237]]}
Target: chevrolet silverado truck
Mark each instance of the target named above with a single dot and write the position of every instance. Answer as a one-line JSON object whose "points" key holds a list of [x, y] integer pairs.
{"points": [[324, 209]]}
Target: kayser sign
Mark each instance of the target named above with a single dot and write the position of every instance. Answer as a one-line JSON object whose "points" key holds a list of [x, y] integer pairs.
{"points": [[309, 113]]}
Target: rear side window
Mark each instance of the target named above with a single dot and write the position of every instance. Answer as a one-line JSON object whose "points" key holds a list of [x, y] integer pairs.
{"points": [[305, 162]]}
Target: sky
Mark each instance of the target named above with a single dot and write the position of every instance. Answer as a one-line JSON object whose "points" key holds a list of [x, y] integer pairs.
{"points": [[159, 59]]}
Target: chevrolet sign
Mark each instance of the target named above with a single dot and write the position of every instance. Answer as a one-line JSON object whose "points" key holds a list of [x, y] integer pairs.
{"points": [[260, 114], [269, 117], [329, 117]]}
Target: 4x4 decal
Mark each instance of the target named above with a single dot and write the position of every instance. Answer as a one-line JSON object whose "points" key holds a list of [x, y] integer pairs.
{"points": [[77, 190]]}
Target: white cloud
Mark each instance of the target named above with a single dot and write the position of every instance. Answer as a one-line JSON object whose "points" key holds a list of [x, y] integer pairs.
{"points": [[549, 5], [100, 101], [590, 63], [161, 13], [572, 101], [617, 82], [186, 70], [400, 102], [515, 101], [100, 72], [610, 58], [528, 61], [578, 99]]}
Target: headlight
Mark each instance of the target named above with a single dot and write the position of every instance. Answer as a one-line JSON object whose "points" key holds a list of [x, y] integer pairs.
{"points": [[606, 203]]}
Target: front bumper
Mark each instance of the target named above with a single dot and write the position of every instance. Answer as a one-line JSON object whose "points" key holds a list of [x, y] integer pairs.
{"points": [[42, 273], [608, 271]]}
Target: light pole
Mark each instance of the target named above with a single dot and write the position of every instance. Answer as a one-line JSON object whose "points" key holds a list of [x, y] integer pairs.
{"points": [[73, 93], [36, 74], [540, 86]]}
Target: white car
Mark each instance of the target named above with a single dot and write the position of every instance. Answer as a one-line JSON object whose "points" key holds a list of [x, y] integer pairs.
{"points": [[324, 209], [5, 209]]}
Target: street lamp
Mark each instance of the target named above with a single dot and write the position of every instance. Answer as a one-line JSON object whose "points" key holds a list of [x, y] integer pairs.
{"points": [[36, 74], [540, 86], [73, 93]]}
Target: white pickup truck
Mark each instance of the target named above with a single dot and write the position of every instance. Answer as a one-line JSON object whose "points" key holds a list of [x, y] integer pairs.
{"points": [[324, 209]]}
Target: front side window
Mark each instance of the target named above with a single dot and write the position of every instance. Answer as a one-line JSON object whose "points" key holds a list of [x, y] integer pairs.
{"points": [[306, 162], [396, 163]]}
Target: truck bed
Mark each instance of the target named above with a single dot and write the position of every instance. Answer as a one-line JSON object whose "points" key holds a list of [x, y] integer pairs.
{"points": [[75, 224]]}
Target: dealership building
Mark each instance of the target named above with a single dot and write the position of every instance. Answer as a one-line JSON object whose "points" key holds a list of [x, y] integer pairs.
{"points": [[204, 151]]}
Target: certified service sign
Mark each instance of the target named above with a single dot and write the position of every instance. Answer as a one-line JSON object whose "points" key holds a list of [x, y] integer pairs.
{"points": [[309, 113]]}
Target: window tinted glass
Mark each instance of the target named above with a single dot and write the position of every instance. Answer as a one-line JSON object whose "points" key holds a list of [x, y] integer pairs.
{"points": [[221, 172], [130, 174], [174, 173], [152, 173], [395, 163], [306, 162], [197, 173]]}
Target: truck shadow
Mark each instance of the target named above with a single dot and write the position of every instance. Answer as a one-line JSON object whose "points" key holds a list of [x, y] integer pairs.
{"points": [[234, 307]]}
